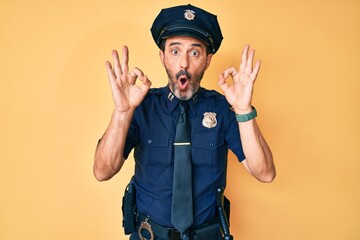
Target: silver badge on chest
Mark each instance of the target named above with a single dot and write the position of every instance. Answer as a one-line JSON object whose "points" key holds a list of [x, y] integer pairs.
{"points": [[209, 120]]}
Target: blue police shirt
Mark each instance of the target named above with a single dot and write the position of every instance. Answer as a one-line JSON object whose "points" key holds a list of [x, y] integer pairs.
{"points": [[151, 135]]}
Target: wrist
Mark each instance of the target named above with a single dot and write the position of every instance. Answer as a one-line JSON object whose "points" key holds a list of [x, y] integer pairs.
{"points": [[122, 118], [243, 110]]}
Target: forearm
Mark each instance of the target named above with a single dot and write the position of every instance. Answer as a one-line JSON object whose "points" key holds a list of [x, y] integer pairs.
{"points": [[259, 160], [109, 152]]}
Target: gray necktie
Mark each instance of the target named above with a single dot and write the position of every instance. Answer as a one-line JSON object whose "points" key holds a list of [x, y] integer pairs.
{"points": [[182, 203]]}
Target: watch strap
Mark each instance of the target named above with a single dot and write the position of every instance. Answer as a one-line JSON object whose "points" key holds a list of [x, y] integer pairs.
{"points": [[248, 116]]}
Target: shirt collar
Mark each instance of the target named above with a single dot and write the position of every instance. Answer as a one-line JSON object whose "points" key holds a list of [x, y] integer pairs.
{"points": [[172, 101]]}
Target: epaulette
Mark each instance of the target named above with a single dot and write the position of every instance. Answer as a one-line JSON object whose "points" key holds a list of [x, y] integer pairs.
{"points": [[213, 93], [156, 91], [216, 94]]}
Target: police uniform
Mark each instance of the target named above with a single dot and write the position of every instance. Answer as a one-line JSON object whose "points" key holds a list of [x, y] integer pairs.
{"points": [[214, 130]]}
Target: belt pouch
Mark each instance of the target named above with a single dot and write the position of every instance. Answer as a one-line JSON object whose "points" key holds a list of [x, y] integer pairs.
{"points": [[211, 232], [129, 208]]}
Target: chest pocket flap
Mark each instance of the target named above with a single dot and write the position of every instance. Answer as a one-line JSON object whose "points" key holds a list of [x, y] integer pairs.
{"points": [[155, 139], [209, 141]]}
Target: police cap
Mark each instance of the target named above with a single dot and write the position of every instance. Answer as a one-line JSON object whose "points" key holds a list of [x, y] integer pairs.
{"points": [[187, 20]]}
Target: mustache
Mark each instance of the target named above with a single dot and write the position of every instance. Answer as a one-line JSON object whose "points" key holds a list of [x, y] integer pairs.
{"points": [[183, 72]]}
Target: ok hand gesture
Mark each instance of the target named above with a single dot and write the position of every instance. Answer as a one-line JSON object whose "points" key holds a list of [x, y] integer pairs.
{"points": [[239, 94], [126, 94]]}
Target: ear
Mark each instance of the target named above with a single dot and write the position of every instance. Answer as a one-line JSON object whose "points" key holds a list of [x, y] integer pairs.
{"points": [[208, 60], [162, 56]]}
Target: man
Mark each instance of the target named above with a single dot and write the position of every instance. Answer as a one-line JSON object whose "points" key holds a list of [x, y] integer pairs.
{"points": [[147, 120]]}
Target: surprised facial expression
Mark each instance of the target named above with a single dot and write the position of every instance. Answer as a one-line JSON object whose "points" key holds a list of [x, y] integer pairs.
{"points": [[185, 60]]}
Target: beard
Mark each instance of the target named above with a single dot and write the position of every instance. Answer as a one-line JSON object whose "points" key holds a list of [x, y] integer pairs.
{"points": [[192, 79]]}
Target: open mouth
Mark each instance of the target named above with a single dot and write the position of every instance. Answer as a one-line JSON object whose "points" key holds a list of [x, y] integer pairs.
{"points": [[183, 80], [183, 83]]}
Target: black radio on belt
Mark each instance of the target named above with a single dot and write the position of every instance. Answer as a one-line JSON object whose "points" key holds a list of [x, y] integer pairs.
{"points": [[129, 208]]}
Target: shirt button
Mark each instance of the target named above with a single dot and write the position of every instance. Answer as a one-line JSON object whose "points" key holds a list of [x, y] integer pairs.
{"points": [[211, 144], [149, 141]]}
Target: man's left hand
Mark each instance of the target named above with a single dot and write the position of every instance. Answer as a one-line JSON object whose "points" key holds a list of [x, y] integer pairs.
{"points": [[239, 94]]}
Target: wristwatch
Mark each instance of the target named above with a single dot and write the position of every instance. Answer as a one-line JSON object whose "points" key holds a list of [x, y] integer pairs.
{"points": [[246, 117]]}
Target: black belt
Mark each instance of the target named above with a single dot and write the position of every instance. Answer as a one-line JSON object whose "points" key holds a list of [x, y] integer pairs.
{"points": [[208, 229]]}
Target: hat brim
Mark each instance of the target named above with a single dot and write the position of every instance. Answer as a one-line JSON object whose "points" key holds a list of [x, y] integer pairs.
{"points": [[186, 30]]}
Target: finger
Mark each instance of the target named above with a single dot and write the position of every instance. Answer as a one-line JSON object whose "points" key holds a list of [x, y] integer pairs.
{"points": [[125, 60], [116, 61], [146, 84], [249, 62], [132, 77], [134, 74], [110, 72], [256, 70], [244, 58], [230, 72], [222, 83], [137, 72]]}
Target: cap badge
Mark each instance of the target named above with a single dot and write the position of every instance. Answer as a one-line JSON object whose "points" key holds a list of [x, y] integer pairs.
{"points": [[189, 14], [209, 120]]}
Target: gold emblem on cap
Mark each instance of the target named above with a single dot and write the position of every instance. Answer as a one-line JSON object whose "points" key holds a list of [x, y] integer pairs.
{"points": [[189, 14], [209, 120]]}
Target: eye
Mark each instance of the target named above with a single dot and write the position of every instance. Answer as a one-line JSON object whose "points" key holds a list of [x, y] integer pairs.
{"points": [[194, 53], [175, 51]]}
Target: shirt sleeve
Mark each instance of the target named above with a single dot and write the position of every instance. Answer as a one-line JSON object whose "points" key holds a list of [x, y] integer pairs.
{"points": [[132, 138], [233, 137]]}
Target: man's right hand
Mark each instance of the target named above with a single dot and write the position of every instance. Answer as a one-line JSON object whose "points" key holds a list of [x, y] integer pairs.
{"points": [[126, 94]]}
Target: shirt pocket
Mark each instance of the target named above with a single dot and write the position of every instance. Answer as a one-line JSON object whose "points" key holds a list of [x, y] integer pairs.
{"points": [[208, 149], [154, 161], [157, 150], [208, 141]]}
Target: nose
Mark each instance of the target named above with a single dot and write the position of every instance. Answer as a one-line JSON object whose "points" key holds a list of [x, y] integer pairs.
{"points": [[184, 61]]}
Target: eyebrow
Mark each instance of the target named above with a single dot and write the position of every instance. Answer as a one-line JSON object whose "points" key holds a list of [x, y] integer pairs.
{"points": [[179, 43]]}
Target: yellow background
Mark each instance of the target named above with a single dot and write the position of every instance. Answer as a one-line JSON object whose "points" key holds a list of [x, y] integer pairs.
{"points": [[56, 103]]}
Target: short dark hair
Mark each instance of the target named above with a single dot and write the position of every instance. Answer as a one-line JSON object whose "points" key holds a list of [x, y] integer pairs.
{"points": [[163, 43]]}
